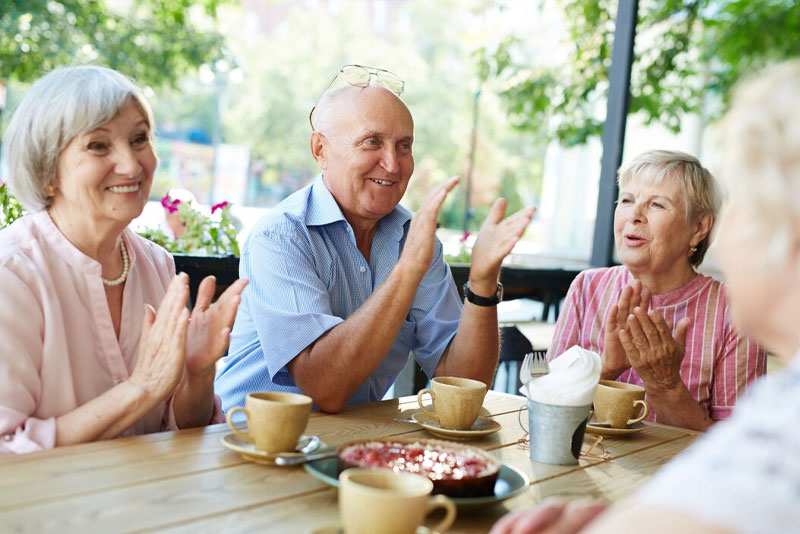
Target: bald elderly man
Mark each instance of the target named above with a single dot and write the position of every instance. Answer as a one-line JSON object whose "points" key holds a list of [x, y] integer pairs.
{"points": [[344, 282]]}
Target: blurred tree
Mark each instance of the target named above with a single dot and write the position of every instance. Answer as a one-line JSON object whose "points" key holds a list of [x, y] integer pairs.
{"points": [[153, 41], [686, 51], [428, 44]]}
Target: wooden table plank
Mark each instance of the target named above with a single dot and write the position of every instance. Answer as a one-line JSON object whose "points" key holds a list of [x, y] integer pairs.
{"points": [[186, 480]]}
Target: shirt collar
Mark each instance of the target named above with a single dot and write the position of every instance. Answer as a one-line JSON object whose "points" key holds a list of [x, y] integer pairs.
{"points": [[323, 210]]}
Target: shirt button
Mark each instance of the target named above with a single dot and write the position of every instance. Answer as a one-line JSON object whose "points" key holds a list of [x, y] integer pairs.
{"points": [[8, 437], [363, 269]]}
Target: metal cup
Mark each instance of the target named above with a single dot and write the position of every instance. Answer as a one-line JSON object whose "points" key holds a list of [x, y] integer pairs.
{"points": [[556, 432]]}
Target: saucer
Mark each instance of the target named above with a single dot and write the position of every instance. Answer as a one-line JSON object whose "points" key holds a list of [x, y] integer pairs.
{"points": [[481, 427], [249, 452], [608, 431]]}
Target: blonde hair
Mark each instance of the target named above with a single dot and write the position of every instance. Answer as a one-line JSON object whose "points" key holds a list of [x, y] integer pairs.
{"points": [[67, 102], [761, 146], [700, 192]]}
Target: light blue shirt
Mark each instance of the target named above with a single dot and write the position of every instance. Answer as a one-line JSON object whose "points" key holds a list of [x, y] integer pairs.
{"points": [[307, 276]]}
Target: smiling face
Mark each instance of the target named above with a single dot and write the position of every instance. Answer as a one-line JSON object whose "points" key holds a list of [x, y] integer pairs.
{"points": [[104, 176], [651, 232], [365, 155]]}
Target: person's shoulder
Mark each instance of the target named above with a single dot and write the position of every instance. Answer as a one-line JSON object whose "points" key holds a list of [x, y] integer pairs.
{"points": [[600, 275], [286, 216], [17, 240], [150, 254]]}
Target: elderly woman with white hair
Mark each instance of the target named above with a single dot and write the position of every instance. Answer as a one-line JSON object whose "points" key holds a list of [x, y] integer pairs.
{"points": [[85, 355], [655, 320], [744, 475]]}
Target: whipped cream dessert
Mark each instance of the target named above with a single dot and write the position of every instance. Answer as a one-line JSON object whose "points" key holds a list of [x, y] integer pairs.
{"points": [[572, 379]]}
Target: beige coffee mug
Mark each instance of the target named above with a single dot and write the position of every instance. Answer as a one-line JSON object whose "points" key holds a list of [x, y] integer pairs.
{"points": [[275, 421], [456, 401], [380, 500], [616, 402]]}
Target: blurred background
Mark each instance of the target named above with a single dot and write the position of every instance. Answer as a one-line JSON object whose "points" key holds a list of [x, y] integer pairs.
{"points": [[509, 94]]}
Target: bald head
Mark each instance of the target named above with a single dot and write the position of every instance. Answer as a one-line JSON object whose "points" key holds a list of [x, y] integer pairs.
{"points": [[345, 102]]}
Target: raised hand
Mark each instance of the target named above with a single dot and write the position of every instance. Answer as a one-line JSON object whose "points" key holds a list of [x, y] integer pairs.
{"points": [[162, 346], [552, 516], [495, 241], [210, 325], [418, 249], [615, 361], [652, 350]]}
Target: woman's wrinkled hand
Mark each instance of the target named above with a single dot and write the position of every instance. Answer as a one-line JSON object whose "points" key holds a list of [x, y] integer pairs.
{"points": [[652, 350], [210, 325], [162, 346], [615, 360], [552, 516]]}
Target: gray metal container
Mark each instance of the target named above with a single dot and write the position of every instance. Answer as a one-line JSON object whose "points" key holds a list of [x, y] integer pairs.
{"points": [[556, 432]]}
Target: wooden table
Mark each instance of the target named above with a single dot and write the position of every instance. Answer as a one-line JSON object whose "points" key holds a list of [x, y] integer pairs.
{"points": [[188, 482]]}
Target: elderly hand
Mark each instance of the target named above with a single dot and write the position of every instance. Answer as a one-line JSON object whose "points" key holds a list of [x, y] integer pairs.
{"points": [[418, 248], [163, 342], [615, 361], [210, 325], [552, 516], [495, 240], [653, 352]]}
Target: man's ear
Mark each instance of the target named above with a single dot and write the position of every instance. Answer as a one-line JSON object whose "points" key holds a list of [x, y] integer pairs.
{"points": [[319, 150]]}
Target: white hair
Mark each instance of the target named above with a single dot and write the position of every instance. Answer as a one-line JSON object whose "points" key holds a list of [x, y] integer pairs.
{"points": [[761, 163], [67, 102]]}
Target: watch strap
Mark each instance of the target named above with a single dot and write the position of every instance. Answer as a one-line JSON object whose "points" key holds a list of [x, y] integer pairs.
{"points": [[478, 300]]}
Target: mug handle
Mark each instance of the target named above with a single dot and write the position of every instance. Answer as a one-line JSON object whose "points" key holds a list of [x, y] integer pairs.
{"points": [[240, 433], [441, 501], [419, 401], [645, 412]]}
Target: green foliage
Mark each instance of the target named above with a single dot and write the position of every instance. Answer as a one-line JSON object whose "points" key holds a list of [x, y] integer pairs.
{"points": [[205, 235], [10, 208], [685, 51], [153, 41]]}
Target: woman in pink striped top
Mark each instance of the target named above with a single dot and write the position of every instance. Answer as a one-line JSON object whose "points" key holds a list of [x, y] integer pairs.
{"points": [[655, 320]]}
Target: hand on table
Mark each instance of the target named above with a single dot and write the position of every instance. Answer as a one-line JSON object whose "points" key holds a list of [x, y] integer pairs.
{"points": [[163, 342], [495, 241], [552, 516], [615, 361], [653, 352], [210, 325], [418, 248]]}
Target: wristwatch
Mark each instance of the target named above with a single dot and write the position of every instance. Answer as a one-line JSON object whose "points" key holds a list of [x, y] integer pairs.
{"points": [[484, 301]]}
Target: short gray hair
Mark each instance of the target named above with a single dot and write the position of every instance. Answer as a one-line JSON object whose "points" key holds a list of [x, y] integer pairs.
{"points": [[700, 192], [67, 102], [761, 141]]}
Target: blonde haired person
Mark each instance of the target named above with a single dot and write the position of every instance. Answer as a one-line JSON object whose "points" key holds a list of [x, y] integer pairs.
{"points": [[657, 322], [85, 356], [744, 475]]}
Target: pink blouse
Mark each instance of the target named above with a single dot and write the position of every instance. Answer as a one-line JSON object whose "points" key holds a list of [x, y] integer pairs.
{"points": [[58, 348], [719, 365]]}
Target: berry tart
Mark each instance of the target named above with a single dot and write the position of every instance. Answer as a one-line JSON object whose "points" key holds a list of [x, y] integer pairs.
{"points": [[455, 470]]}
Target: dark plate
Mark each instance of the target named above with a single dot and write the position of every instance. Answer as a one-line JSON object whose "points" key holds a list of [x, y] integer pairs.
{"points": [[510, 482]]}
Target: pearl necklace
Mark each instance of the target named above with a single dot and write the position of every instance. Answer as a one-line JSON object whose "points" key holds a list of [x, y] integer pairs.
{"points": [[125, 265]]}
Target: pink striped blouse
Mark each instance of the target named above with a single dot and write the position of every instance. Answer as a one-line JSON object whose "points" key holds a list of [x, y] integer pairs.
{"points": [[719, 364]]}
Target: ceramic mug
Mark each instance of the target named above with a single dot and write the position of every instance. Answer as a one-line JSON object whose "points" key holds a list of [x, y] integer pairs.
{"points": [[275, 421], [616, 402], [381, 500], [456, 401]]}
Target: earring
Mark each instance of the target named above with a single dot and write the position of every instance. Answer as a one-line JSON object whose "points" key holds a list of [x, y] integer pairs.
{"points": [[50, 191], [692, 250]]}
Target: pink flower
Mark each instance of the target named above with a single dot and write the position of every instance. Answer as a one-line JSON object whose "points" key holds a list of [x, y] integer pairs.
{"points": [[465, 237], [170, 204], [1, 182], [219, 206]]}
